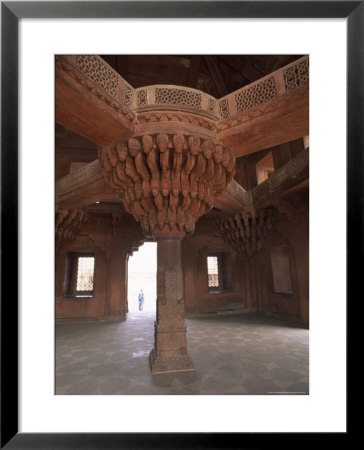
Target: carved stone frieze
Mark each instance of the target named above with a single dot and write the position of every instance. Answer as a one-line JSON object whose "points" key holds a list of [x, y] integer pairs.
{"points": [[180, 116], [168, 179]]}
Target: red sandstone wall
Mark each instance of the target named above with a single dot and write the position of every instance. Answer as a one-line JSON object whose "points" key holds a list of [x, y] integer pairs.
{"points": [[252, 278], [81, 308], [110, 238], [295, 306], [198, 300]]}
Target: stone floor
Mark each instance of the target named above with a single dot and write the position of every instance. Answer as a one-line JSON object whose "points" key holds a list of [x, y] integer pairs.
{"points": [[233, 354]]}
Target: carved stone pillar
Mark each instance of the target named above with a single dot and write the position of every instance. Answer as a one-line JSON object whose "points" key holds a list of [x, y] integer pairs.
{"points": [[167, 182], [170, 341]]}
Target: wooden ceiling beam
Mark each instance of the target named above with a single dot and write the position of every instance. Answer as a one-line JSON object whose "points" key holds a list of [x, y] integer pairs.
{"points": [[216, 75], [194, 71]]}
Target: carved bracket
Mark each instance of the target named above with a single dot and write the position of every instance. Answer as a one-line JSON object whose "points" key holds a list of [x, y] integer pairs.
{"points": [[168, 180], [68, 223], [246, 231]]}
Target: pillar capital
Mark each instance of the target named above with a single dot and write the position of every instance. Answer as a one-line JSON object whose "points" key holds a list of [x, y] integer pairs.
{"points": [[166, 233], [168, 181]]}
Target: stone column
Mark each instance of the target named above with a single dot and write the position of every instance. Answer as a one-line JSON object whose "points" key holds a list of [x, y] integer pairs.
{"points": [[170, 341], [167, 182], [116, 304]]}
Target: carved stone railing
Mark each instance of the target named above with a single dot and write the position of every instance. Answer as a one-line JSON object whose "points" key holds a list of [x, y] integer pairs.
{"points": [[106, 83], [175, 97], [101, 79], [278, 83]]}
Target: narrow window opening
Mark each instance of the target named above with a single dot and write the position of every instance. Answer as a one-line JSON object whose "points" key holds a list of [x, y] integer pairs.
{"points": [[85, 274], [219, 272], [213, 271], [79, 275]]}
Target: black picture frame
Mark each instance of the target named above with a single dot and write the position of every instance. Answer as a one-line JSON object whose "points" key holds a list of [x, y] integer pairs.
{"points": [[11, 12]]}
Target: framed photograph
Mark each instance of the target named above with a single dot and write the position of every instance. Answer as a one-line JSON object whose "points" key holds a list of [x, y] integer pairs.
{"points": [[49, 54]]}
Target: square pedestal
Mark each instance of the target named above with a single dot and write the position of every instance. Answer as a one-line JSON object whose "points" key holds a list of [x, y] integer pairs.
{"points": [[170, 364]]}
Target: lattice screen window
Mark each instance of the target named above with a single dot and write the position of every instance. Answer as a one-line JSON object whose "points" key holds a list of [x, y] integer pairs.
{"points": [[219, 272], [79, 275], [213, 272], [85, 274]]}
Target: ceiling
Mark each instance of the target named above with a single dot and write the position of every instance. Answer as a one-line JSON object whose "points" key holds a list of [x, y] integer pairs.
{"points": [[216, 75]]}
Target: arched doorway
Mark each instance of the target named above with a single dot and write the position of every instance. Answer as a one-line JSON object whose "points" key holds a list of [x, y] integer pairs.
{"points": [[142, 274]]}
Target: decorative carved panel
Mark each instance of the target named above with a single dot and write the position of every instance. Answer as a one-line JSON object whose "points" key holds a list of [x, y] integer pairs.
{"points": [[297, 75], [99, 72], [128, 94], [211, 105], [256, 94], [224, 108], [175, 96], [142, 98]]}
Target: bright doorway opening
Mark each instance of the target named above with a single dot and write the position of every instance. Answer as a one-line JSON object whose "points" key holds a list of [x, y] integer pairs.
{"points": [[142, 274]]}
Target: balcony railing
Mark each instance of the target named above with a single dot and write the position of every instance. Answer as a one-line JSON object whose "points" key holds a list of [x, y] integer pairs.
{"points": [[278, 83], [281, 82]]}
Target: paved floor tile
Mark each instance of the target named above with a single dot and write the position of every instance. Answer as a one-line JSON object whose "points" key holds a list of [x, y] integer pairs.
{"points": [[242, 354]]}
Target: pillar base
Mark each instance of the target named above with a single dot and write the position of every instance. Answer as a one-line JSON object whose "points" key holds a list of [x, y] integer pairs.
{"points": [[170, 364]]}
